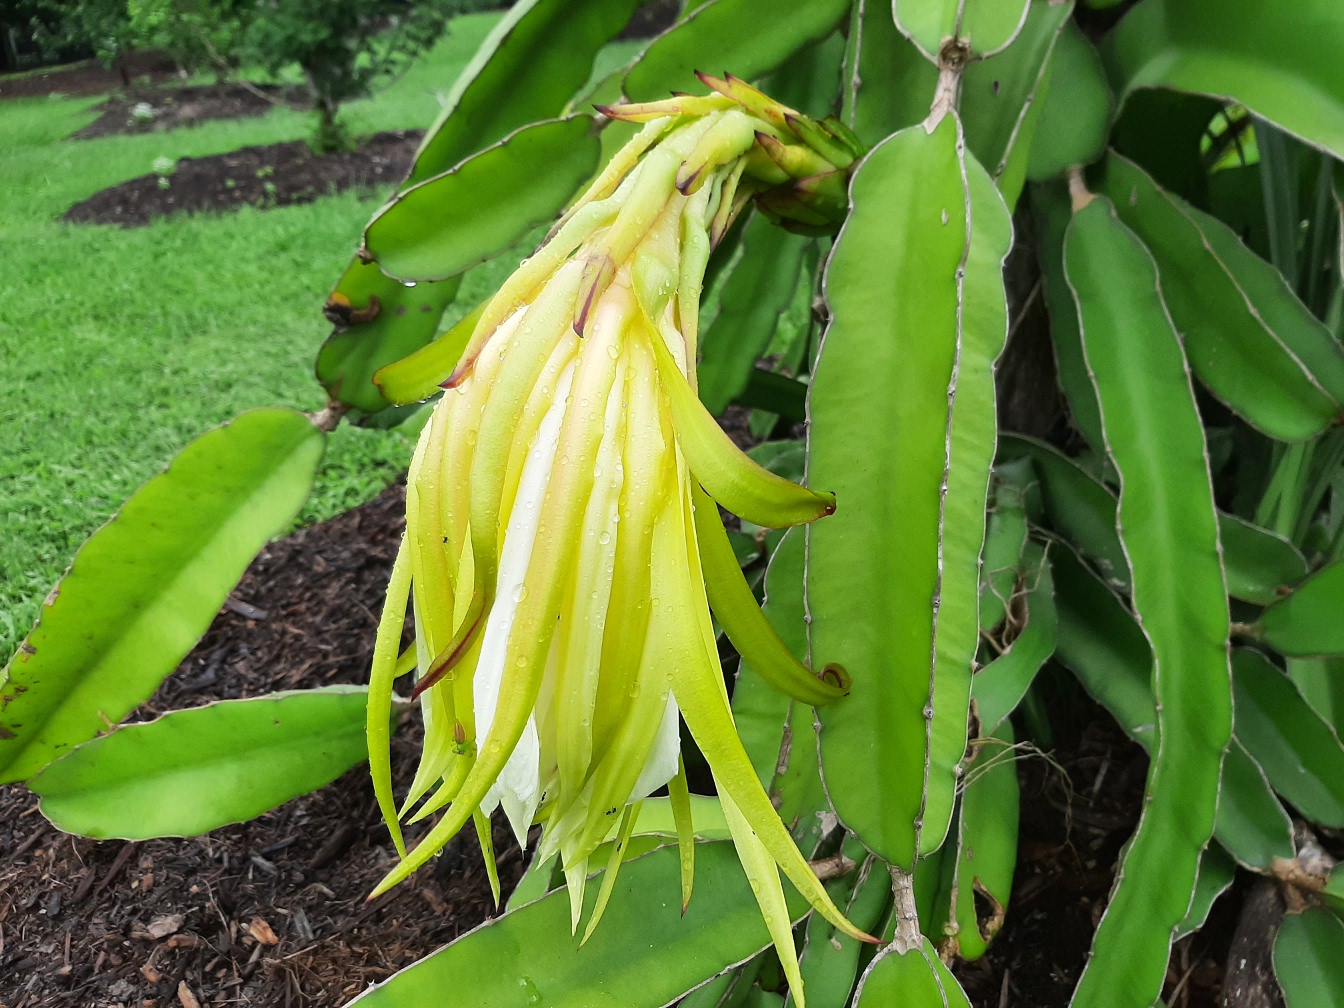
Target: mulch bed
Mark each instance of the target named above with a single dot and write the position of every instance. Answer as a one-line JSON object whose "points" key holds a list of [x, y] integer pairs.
{"points": [[90, 77], [92, 924], [86, 923], [177, 107], [269, 176], [1078, 809]]}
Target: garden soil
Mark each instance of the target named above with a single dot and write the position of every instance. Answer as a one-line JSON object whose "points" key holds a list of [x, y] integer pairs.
{"points": [[173, 108], [269, 176], [272, 912]]}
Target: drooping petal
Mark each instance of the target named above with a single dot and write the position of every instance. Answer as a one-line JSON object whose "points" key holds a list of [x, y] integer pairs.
{"points": [[380, 692], [661, 765], [730, 477], [487, 843], [417, 377], [613, 868], [698, 684], [679, 796], [732, 601]]}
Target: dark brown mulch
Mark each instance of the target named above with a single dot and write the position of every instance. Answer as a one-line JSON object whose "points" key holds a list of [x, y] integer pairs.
{"points": [[91, 924], [77, 916], [90, 77], [177, 107], [1078, 808], [270, 176]]}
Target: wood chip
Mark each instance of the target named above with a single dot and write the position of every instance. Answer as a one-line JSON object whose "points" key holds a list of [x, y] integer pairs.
{"points": [[261, 931], [162, 927], [185, 995]]}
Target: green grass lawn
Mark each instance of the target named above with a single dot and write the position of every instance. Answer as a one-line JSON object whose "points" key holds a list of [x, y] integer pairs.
{"points": [[117, 347]]}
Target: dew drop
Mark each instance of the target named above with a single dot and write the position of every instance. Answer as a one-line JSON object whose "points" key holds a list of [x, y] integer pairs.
{"points": [[604, 538], [613, 351], [408, 283], [520, 593]]}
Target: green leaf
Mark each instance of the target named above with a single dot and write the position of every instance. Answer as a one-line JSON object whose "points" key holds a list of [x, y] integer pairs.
{"points": [[1309, 959], [407, 319], [775, 393], [982, 328], [1002, 97], [757, 292], [1005, 540], [1244, 51], [1260, 564], [986, 844], [1321, 681], [1333, 893], [145, 586], [1252, 825], [452, 221], [1300, 752], [917, 979], [1102, 645], [1000, 686], [192, 771], [526, 69], [987, 26], [1099, 641], [1216, 871], [888, 85], [1170, 531], [1248, 345], [885, 367], [1308, 622], [1076, 112], [747, 38], [1077, 505], [645, 953], [809, 80], [1082, 509], [1051, 206], [712, 994]]}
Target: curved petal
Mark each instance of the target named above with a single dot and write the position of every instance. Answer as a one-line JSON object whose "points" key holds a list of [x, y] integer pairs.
{"points": [[697, 682], [763, 875], [733, 603], [418, 376], [732, 479], [380, 692]]}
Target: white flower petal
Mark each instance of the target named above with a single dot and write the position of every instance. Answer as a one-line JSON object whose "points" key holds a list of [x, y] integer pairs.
{"points": [[661, 765]]}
